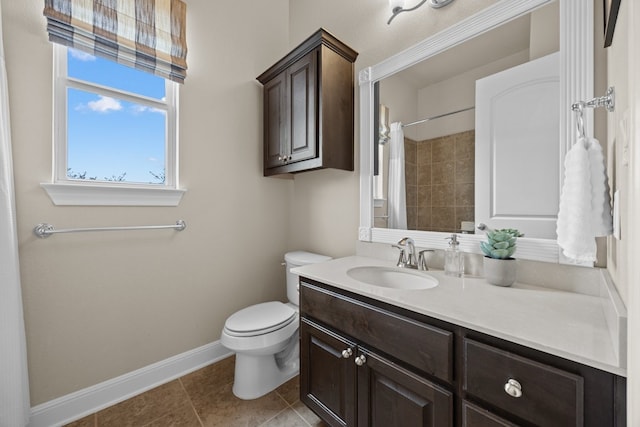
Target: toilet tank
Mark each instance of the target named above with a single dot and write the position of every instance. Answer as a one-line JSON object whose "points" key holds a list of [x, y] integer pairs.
{"points": [[297, 259]]}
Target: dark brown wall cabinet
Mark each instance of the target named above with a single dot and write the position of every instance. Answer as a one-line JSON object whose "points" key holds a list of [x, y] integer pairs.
{"points": [[366, 363], [308, 107]]}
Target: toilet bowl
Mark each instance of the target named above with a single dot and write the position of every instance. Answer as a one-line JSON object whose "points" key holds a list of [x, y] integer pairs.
{"points": [[265, 337]]}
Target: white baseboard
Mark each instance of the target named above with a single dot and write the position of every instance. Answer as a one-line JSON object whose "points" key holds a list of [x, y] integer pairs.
{"points": [[84, 402]]}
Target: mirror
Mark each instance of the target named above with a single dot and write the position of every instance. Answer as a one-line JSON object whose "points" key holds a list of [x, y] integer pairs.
{"points": [[435, 102], [510, 31]]}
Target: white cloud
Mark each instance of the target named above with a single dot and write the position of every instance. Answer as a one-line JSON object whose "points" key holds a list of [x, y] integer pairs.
{"points": [[139, 109], [104, 104], [81, 56]]}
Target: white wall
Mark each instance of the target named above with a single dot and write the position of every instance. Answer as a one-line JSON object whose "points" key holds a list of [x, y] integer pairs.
{"points": [[101, 305], [456, 93], [632, 16], [619, 173], [624, 169]]}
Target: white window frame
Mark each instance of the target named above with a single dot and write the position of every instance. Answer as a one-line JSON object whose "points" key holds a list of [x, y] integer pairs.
{"points": [[65, 191]]}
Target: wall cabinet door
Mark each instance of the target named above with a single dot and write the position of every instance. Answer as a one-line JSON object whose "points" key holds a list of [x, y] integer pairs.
{"points": [[275, 129], [390, 396], [327, 377], [290, 114], [301, 104]]}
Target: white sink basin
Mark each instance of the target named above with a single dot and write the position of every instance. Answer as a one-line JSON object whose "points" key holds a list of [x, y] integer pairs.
{"points": [[396, 278]]}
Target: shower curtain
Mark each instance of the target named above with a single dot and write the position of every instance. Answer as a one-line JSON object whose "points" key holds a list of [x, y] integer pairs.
{"points": [[14, 384], [396, 199]]}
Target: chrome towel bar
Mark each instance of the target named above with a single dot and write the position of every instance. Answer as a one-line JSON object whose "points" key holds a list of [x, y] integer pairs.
{"points": [[45, 230]]}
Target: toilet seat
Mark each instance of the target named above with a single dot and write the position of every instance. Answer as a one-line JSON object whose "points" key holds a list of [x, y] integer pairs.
{"points": [[259, 319]]}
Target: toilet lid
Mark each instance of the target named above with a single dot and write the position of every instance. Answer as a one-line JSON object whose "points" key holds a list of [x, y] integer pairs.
{"points": [[260, 319]]}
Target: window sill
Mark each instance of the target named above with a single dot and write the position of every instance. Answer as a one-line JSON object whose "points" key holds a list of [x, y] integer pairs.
{"points": [[81, 194]]}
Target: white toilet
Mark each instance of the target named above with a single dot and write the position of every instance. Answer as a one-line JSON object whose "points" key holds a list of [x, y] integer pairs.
{"points": [[265, 337]]}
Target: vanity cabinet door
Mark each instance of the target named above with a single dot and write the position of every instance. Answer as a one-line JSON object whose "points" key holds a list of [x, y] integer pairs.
{"points": [[390, 396], [327, 374]]}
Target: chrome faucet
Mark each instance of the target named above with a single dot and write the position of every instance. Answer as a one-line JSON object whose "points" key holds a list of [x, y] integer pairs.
{"points": [[408, 260]]}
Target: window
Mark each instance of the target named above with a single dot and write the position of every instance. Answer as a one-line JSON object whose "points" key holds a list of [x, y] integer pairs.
{"points": [[115, 133]]}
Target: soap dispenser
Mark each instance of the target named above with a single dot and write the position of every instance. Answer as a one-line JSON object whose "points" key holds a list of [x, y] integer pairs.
{"points": [[453, 258]]}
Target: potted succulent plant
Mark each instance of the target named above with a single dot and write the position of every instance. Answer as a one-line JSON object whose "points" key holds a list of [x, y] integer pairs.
{"points": [[500, 268]]}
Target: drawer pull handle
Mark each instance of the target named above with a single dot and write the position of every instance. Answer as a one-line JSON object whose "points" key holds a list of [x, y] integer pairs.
{"points": [[513, 388], [360, 360], [347, 353]]}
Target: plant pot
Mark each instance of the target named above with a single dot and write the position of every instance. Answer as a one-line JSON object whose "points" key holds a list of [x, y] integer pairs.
{"points": [[500, 272]]}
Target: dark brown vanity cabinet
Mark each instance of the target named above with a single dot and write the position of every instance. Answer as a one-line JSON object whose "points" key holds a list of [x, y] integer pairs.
{"points": [[308, 102], [349, 383], [367, 363]]}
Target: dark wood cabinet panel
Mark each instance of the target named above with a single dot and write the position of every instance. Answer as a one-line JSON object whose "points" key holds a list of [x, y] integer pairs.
{"points": [[474, 416], [275, 108], [327, 380], [425, 347], [311, 124], [542, 395], [302, 108], [391, 396]]}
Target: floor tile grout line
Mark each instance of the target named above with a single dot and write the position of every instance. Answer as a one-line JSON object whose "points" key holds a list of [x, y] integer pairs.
{"points": [[287, 406], [191, 402], [299, 414], [275, 416]]}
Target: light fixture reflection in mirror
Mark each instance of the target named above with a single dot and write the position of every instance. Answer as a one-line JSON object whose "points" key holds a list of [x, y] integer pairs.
{"points": [[397, 6]]}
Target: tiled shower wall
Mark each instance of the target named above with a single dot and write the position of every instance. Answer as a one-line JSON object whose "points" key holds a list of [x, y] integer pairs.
{"points": [[439, 176]]}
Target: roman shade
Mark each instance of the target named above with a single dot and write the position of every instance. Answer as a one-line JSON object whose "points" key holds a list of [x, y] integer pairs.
{"points": [[149, 35]]}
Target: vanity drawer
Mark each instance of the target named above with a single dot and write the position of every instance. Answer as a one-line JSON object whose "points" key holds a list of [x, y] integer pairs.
{"points": [[427, 348], [548, 396], [474, 416]]}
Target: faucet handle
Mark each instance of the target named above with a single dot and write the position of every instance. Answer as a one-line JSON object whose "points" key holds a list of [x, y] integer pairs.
{"points": [[422, 260], [402, 260]]}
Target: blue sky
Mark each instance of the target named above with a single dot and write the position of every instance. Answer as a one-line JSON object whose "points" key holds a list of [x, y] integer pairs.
{"points": [[109, 137]]}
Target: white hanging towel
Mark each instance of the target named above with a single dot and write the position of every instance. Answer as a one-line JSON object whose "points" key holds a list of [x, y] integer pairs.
{"points": [[601, 200], [397, 198], [585, 205]]}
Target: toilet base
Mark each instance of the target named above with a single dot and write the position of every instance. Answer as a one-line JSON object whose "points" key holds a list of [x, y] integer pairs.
{"points": [[257, 375]]}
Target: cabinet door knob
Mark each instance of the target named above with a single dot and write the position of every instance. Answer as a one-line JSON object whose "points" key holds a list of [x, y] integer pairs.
{"points": [[360, 360], [347, 353], [513, 388]]}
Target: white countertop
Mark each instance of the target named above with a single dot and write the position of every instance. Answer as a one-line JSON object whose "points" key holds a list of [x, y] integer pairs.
{"points": [[571, 325]]}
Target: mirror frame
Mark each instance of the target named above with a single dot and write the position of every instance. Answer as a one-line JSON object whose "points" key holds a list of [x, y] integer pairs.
{"points": [[576, 83]]}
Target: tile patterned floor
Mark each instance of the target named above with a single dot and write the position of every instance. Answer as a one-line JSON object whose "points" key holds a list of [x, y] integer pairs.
{"points": [[204, 399]]}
